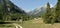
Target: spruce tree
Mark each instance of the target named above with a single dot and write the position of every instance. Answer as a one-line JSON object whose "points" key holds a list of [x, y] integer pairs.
{"points": [[1, 12], [58, 11], [47, 18]]}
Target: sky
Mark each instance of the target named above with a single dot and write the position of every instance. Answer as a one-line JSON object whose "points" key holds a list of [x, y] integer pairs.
{"points": [[28, 5]]}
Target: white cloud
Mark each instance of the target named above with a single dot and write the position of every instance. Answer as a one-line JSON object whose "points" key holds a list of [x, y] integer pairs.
{"points": [[27, 10], [51, 6], [45, 5]]}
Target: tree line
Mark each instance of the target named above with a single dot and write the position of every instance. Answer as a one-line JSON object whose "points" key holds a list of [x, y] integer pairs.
{"points": [[52, 15]]}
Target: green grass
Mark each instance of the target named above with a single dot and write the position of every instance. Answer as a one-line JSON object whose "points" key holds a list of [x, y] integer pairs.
{"points": [[7, 26], [31, 24], [39, 24]]}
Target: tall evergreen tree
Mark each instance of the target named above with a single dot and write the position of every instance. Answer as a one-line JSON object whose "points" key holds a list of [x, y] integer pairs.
{"points": [[58, 11], [47, 15], [3, 9], [1, 13]]}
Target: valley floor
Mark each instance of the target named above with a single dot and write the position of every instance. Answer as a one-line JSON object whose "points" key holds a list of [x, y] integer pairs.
{"points": [[39, 24], [36, 23]]}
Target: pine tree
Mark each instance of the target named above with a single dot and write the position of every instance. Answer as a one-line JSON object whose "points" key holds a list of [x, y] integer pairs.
{"points": [[53, 16], [47, 18], [2, 10], [58, 11], [1, 13]]}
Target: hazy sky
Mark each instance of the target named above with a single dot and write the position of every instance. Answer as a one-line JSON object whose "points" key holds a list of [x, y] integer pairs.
{"points": [[28, 5]]}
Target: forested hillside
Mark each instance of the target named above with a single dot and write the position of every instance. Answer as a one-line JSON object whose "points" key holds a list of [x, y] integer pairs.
{"points": [[9, 11]]}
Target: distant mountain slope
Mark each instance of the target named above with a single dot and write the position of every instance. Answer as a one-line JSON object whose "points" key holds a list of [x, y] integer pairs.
{"points": [[16, 8], [38, 11], [9, 11], [9, 5]]}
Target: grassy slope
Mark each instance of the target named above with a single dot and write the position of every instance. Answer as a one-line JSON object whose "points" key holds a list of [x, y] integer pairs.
{"points": [[39, 24]]}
